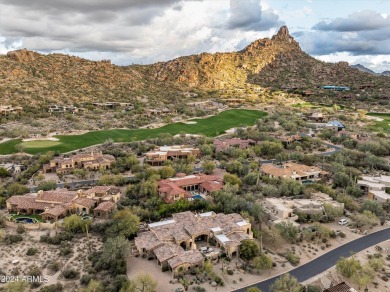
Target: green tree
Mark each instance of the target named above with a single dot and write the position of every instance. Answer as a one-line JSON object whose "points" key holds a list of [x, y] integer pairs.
{"points": [[145, 283], [262, 262], [249, 249], [251, 178], [73, 223], [372, 206], [125, 223], [148, 188], [115, 249], [341, 179], [80, 173], [208, 166], [286, 283], [365, 218], [288, 231], [363, 276], [16, 189], [167, 171], [232, 179], [376, 263], [93, 286], [206, 149], [332, 212], [270, 149], [47, 185], [348, 266]]}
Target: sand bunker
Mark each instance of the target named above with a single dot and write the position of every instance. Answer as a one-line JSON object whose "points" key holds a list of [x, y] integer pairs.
{"points": [[39, 139]]}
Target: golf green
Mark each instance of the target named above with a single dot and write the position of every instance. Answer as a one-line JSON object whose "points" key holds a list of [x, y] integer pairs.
{"points": [[211, 126]]}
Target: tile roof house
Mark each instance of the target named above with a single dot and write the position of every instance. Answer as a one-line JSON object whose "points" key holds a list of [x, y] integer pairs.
{"points": [[288, 139], [59, 203], [104, 210], [294, 171], [164, 153], [342, 287], [222, 145], [173, 189], [173, 242], [89, 161]]}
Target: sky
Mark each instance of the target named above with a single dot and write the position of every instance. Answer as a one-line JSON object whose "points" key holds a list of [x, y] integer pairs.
{"points": [[148, 31]]}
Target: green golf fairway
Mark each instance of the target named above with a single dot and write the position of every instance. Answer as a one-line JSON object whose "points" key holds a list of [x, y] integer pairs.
{"points": [[382, 126], [211, 126]]}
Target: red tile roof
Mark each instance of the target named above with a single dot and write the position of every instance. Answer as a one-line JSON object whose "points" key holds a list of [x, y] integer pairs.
{"points": [[105, 206]]}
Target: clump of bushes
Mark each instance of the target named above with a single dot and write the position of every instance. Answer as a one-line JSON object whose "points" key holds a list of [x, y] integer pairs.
{"points": [[70, 274], [21, 229], [292, 258], [12, 238], [31, 251], [54, 266], [57, 239]]}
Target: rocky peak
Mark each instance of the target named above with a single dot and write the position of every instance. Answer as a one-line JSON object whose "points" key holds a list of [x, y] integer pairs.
{"points": [[282, 41], [23, 55], [283, 35]]}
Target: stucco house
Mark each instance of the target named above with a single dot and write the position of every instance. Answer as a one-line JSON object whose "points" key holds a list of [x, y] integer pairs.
{"points": [[173, 242], [88, 161]]}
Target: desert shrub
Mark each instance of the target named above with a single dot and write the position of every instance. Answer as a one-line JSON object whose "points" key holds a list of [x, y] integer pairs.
{"points": [[65, 249], [31, 251], [85, 279], [70, 274], [54, 266], [34, 271], [292, 258], [21, 229], [57, 239], [342, 235], [12, 238]]}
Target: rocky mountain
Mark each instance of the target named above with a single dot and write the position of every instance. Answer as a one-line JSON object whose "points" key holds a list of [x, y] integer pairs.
{"points": [[278, 62], [33, 79], [29, 78], [363, 69]]}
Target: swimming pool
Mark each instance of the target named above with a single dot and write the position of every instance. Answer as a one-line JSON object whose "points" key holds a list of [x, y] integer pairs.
{"points": [[26, 220], [197, 197], [306, 182]]}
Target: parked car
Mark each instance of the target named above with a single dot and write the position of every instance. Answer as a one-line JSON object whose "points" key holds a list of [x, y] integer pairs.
{"points": [[343, 221]]}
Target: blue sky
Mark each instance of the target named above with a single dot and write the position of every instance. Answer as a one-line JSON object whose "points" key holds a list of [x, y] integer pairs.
{"points": [[146, 31]]}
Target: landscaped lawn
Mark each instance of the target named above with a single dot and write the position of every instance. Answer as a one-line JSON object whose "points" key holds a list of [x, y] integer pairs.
{"points": [[35, 216], [382, 126], [212, 126]]}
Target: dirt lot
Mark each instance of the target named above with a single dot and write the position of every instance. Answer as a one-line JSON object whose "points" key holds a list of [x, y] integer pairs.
{"points": [[46, 254]]}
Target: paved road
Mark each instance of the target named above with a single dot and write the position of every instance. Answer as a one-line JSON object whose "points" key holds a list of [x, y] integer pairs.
{"points": [[329, 259]]}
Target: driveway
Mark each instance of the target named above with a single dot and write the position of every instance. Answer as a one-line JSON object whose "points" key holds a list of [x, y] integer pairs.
{"points": [[328, 260]]}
